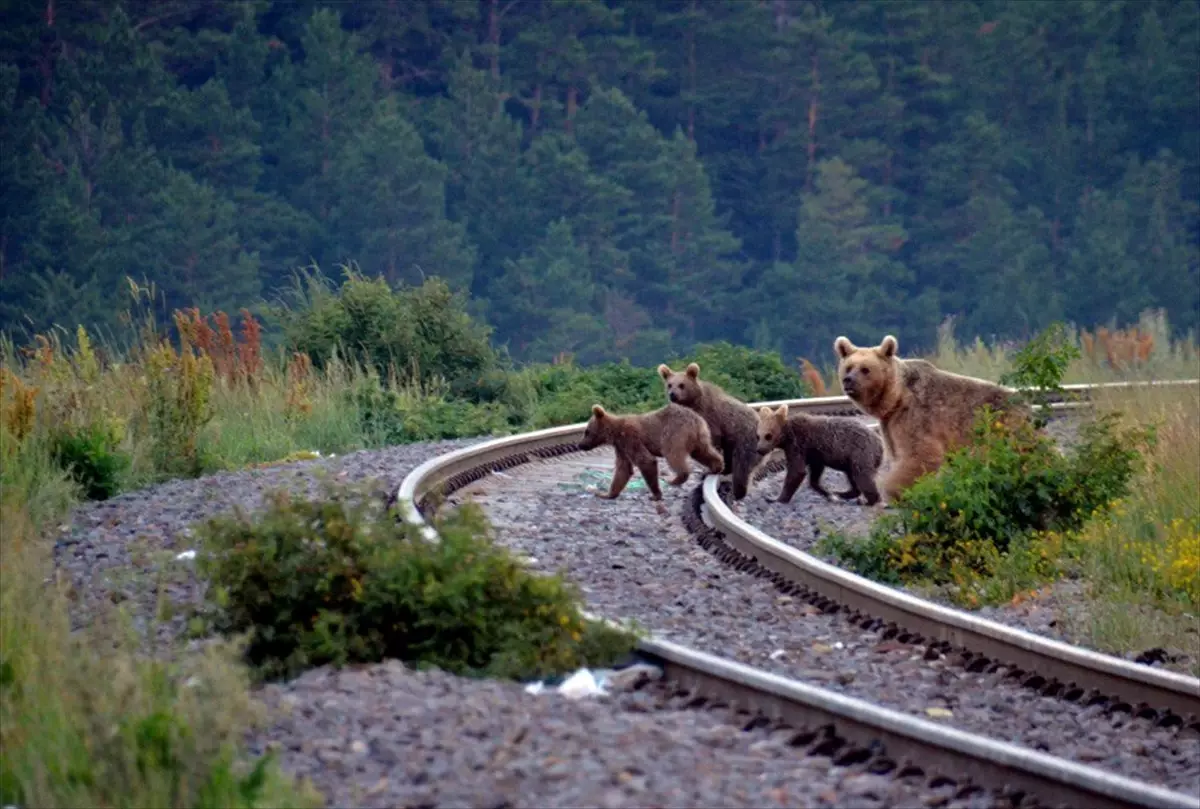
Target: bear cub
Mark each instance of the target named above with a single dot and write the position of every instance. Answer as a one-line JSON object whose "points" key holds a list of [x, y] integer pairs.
{"points": [[733, 425], [814, 443], [672, 432]]}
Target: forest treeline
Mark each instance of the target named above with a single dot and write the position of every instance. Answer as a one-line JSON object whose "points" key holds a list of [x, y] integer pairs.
{"points": [[610, 178]]}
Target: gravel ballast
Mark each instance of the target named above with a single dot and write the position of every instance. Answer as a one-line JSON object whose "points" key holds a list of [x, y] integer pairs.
{"points": [[384, 735], [634, 560]]}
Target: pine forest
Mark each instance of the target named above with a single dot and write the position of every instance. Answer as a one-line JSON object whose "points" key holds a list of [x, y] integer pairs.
{"points": [[611, 178]]}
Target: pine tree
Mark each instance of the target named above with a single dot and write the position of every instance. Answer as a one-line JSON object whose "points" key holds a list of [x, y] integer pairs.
{"points": [[387, 205]]}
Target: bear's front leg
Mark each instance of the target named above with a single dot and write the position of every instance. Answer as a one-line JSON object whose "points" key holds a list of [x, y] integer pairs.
{"points": [[621, 475]]}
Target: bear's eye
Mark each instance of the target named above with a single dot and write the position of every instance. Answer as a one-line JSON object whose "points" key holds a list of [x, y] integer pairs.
{"points": [[770, 437], [866, 371]]}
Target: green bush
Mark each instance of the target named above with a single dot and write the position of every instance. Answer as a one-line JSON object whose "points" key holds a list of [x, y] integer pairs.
{"points": [[423, 333], [388, 417], [90, 456], [747, 373], [567, 392], [337, 581], [1009, 482]]}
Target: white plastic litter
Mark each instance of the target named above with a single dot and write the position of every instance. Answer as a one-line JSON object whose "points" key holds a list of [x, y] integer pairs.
{"points": [[185, 555], [778, 653], [583, 683]]}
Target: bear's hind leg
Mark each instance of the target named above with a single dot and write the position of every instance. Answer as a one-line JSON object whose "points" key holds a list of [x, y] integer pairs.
{"points": [[710, 459]]}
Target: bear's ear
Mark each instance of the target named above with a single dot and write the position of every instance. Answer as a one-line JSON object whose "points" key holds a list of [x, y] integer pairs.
{"points": [[764, 412], [664, 371], [598, 411], [887, 349], [693, 370], [843, 347], [781, 412]]}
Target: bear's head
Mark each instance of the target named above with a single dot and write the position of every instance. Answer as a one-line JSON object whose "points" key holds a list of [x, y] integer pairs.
{"points": [[682, 388], [867, 374], [770, 428], [598, 429]]}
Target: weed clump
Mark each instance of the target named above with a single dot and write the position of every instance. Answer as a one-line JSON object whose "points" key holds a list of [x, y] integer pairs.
{"points": [[338, 581]]}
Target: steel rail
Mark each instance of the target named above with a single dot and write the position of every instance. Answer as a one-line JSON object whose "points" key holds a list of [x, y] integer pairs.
{"points": [[1071, 665], [1054, 778], [936, 748]]}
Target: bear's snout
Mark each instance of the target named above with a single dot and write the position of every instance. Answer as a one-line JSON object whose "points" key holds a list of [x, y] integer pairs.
{"points": [[849, 385], [673, 396]]}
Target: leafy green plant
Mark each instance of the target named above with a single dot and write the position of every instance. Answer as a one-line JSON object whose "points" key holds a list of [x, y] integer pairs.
{"points": [[337, 581], [1039, 366], [747, 373], [423, 333], [90, 456]]}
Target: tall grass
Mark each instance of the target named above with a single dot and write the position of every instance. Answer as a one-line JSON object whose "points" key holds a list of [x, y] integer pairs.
{"points": [[1141, 352], [1141, 561], [84, 721]]}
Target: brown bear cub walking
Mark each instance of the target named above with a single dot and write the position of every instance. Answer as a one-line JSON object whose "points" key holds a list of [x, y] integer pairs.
{"points": [[733, 424], [671, 432], [813, 443], [924, 412]]}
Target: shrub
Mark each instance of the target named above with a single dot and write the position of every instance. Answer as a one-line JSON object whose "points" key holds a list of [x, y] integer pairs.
{"points": [[1039, 367], [746, 373], [1010, 481], [423, 332], [337, 581], [90, 456]]}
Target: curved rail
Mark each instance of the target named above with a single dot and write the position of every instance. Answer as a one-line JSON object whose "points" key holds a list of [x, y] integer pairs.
{"points": [[955, 751]]}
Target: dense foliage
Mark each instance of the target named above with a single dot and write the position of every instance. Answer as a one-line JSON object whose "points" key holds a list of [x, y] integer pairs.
{"points": [[610, 178], [338, 580]]}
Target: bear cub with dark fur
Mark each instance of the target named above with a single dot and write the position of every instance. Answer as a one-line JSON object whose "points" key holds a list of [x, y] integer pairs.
{"points": [[672, 432], [733, 424], [813, 443]]}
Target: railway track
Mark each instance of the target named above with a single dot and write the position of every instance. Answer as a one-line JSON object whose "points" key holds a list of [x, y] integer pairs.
{"points": [[1053, 669]]}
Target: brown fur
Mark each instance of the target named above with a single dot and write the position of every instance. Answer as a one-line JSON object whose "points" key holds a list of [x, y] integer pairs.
{"points": [[924, 412], [812, 443], [733, 424], [671, 432]]}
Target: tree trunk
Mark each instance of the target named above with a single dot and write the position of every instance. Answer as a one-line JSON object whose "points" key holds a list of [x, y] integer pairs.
{"points": [[537, 109], [813, 105], [494, 37], [675, 223], [46, 63], [691, 43]]}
